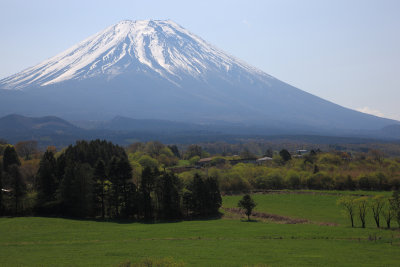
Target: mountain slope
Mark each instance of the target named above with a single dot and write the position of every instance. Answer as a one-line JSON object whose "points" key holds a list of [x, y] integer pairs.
{"points": [[162, 47], [159, 70], [50, 124]]}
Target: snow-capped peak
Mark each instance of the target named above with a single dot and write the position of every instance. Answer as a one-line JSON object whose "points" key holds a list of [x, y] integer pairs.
{"points": [[161, 46]]}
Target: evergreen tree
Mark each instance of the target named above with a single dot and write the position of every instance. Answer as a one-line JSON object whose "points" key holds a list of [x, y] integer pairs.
{"points": [[1, 189], [168, 196], [198, 195], [248, 204], [131, 205], [213, 200], [10, 157], [285, 155], [18, 186], [76, 190], [146, 187], [120, 173], [187, 200], [46, 179], [99, 177]]}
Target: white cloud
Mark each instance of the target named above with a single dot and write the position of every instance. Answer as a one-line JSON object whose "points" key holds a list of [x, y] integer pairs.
{"points": [[246, 22], [371, 111]]}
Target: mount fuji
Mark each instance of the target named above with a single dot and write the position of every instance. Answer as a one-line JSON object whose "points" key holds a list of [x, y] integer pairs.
{"points": [[156, 69]]}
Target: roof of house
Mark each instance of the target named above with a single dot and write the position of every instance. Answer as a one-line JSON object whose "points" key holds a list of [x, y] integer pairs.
{"points": [[264, 159], [205, 160]]}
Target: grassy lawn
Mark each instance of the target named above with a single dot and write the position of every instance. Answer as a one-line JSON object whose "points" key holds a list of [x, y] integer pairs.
{"points": [[226, 242], [315, 207]]}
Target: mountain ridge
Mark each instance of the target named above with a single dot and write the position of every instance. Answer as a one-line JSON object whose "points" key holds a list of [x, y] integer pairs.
{"points": [[159, 70]]}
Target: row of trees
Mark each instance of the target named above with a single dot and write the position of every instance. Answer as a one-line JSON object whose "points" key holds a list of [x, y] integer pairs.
{"points": [[378, 206], [95, 179]]}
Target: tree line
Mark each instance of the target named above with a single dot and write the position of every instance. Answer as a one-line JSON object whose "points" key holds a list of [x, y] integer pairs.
{"points": [[379, 207], [95, 179]]}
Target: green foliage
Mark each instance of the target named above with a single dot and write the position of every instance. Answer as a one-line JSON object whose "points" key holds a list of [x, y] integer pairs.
{"points": [[348, 203], [192, 151], [377, 204], [395, 205], [388, 211], [362, 208], [148, 162], [293, 180], [194, 160], [248, 204]]}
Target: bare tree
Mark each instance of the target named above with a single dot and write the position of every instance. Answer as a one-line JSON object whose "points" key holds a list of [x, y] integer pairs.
{"points": [[26, 149]]}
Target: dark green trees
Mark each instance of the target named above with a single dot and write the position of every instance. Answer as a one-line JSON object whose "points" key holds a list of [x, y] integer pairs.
{"points": [[168, 191], [147, 184], [13, 178], [205, 198], [18, 187], [248, 204], [46, 179], [96, 180], [120, 175], [99, 186], [76, 190], [10, 157], [1, 189], [285, 155]]}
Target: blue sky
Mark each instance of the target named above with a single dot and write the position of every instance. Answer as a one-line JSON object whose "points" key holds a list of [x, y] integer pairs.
{"points": [[347, 52]]}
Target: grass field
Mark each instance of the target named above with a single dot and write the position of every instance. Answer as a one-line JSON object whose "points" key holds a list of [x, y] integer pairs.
{"points": [[315, 206], [224, 242]]}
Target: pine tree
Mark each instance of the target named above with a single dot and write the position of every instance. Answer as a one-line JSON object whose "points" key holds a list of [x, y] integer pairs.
{"points": [[76, 190], [146, 187], [1, 189], [99, 177], [120, 173], [168, 196], [46, 179], [214, 200], [10, 157], [248, 204], [18, 186]]}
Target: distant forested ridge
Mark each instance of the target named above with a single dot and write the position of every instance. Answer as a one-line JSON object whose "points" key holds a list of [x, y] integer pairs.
{"points": [[154, 181]]}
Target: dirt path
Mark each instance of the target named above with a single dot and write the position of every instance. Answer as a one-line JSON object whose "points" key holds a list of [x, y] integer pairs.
{"points": [[275, 217]]}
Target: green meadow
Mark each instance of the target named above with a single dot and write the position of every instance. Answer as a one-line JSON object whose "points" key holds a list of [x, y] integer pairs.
{"points": [[229, 241]]}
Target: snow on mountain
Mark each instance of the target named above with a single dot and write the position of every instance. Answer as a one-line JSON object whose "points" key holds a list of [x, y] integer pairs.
{"points": [[155, 69], [160, 46]]}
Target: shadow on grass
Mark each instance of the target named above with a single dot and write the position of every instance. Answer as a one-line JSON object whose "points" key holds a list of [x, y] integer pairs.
{"points": [[136, 220], [249, 221]]}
